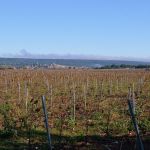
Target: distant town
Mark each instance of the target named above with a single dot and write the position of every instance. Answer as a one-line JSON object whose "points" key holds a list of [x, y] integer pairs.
{"points": [[58, 66], [40, 66]]}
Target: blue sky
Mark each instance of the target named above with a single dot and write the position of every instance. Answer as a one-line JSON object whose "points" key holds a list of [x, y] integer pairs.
{"points": [[110, 28]]}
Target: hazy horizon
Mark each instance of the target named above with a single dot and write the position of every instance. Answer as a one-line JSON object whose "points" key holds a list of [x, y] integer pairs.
{"points": [[28, 55]]}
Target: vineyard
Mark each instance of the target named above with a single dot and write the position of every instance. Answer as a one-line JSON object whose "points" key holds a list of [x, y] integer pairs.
{"points": [[87, 108]]}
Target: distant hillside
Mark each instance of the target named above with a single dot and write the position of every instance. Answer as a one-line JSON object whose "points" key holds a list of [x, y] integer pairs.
{"points": [[18, 62]]}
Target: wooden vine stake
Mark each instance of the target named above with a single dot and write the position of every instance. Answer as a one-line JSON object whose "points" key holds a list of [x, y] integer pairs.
{"points": [[132, 113], [46, 122], [19, 91], [85, 98], [26, 97], [74, 103]]}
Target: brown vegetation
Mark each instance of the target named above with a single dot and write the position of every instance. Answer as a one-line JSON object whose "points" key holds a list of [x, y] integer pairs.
{"points": [[80, 103]]}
